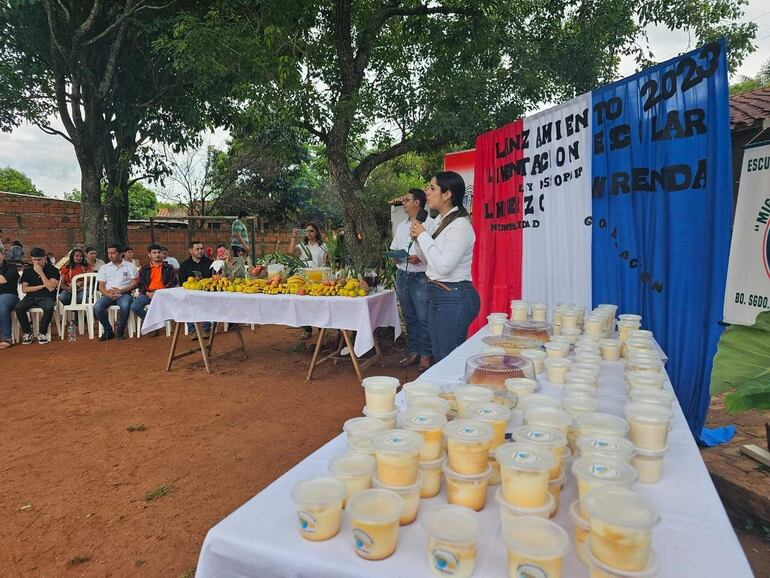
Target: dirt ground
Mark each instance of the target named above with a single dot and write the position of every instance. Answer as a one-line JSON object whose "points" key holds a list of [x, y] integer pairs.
{"points": [[81, 495]]}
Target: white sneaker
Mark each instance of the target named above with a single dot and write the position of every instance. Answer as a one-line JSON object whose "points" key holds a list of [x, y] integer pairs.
{"points": [[42, 339], [27, 339]]}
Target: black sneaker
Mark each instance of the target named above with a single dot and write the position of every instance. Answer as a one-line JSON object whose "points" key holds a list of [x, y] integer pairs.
{"points": [[121, 336], [42, 339], [107, 336], [27, 339]]}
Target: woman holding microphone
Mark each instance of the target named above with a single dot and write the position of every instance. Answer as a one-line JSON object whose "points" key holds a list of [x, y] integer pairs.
{"points": [[453, 302]]}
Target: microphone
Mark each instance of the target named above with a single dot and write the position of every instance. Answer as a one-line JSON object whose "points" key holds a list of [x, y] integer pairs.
{"points": [[422, 216]]}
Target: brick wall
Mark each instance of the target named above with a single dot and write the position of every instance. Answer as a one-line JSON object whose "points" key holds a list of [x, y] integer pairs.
{"points": [[54, 225]]}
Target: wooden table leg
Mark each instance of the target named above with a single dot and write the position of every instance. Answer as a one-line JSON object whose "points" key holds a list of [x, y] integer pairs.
{"points": [[353, 357], [378, 352], [203, 346], [244, 354], [174, 341], [315, 354]]}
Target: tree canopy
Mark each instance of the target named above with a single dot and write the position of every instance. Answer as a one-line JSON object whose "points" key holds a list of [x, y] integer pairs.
{"points": [[745, 84], [15, 181]]}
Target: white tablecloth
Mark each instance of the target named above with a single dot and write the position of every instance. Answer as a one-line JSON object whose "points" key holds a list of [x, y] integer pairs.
{"points": [[694, 539], [360, 314]]}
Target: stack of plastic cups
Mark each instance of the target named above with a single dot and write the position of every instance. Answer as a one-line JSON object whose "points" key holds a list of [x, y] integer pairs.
{"points": [[570, 318], [398, 453], [539, 311], [556, 369], [496, 323], [525, 472], [380, 394], [415, 389], [556, 349], [536, 356], [572, 334], [374, 516], [554, 441], [519, 310], [452, 536], [355, 470], [589, 357], [536, 547], [430, 425], [649, 425], [593, 472], [467, 470], [595, 324], [466, 394], [610, 349], [626, 323], [318, 502]]}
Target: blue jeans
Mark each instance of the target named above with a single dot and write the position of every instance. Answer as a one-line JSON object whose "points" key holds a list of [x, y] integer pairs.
{"points": [[7, 303], [206, 327], [412, 290], [450, 313], [104, 303], [66, 296], [139, 304]]}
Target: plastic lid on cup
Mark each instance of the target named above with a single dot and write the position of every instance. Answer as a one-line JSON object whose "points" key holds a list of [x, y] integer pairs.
{"points": [[521, 386], [630, 317], [556, 346], [318, 491], [487, 411], [380, 414], [577, 378], [497, 317], [604, 423], [538, 400], [469, 478], [527, 457], [582, 357], [380, 383], [451, 523], [541, 436], [363, 426], [361, 445], [605, 470], [468, 431], [647, 412], [578, 403], [620, 507], [351, 464], [609, 342], [586, 367], [473, 393], [433, 464], [579, 388], [398, 441], [401, 490], [375, 506], [557, 362], [535, 538], [422, 420], [561, 339], [518, 511], [547, 416], [640, 342], [606, 446], [652, 569], [640, 333], [429, 403], [420, 388], [652, 395], [647, 378], [652, 453]]}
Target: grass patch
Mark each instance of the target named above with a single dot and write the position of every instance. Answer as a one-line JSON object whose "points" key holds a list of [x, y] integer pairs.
{"points": [[139, 427], [77, 560], [158, 492]]}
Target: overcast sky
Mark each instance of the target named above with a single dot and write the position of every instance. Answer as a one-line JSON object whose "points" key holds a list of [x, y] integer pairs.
{"points": [[50, 161]]}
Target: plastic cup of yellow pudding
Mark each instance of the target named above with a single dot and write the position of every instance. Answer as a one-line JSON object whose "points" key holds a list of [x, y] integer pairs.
{"points": [[509, 511], [594, 324], [591, 368], [555, 487], [602, 424], [353, 469], [605, 447], [556, 327], [556, 369], [363, 427], [648, 425], [524, 473], [580, 388], [610, 349], [641, 333], [398, 456], [624, 327], [597, 569], [633, 317], [521, 386], [388, 418], [374, 516], [468, 443], [466, 490], [583, 357], [588, 379], [496, 323], [410, 496], [576, 404], [538, 400], [634, 340], [380, 392], [415, 389], [536, 547], [621, 524], [431, 471], [571, 334], [452, 535], [569, 319], [587, 346], [550, 417], [494, 477], [594, 472], [493, 414], [539, 311], [545, 438], [504, 398], [582, 531], [519, 312], [318, 502], [536, 356], [555, 349], [434, 404], [649, 465], [652, 396], [428, 424], [646, 379], [466, 394]]}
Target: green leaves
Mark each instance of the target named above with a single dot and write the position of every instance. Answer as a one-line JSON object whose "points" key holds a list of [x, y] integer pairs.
{"points": [[15, 181], [742, 364]]}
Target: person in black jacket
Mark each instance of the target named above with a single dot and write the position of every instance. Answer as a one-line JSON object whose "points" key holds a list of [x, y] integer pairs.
{"points": [[154, 276], [39, 284], [197, 266], [9, 280]]}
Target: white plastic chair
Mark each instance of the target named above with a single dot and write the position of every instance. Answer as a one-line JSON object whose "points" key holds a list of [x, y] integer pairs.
{"points": [[138, 324], [35, 315], [83, 307], [113, 316]]}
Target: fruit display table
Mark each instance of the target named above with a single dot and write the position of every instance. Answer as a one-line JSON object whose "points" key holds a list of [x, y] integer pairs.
{"points": [[360, 314], [694, 538]]}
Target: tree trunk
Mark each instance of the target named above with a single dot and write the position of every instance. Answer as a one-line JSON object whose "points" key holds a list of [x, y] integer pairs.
{"points": [[116, 210], [91, 211]]}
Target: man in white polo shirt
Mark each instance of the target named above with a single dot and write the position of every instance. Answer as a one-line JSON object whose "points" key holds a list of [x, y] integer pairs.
{"points": [[117, 279]]}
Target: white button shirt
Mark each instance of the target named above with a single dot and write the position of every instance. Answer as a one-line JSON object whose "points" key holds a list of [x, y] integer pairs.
{"points": [[116, 276], [401, 240], [450, 255]]}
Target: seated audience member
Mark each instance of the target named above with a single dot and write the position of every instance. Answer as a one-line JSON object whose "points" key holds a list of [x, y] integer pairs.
{"points": [[38, 283], [198, 266], [116, 279], [16, 252], [9, 280], [93, 260], [128, 255], [170, 260], [154, 276], [75, 265]]}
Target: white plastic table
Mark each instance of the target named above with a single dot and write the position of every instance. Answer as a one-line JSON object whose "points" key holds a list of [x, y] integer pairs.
{"points": [[693, 540]]}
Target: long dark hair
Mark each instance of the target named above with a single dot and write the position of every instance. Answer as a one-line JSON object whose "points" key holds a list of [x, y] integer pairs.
{"points": [[318, 237], [455, 184], [71, 262]]}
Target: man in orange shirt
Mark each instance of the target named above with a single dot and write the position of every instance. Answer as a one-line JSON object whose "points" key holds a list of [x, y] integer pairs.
{"points": [[154, 276]]}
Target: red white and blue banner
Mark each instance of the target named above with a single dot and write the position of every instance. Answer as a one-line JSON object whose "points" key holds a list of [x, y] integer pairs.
{"points": [[622, 195]]}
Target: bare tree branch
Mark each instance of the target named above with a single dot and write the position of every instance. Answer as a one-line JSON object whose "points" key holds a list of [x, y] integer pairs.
{"points": [[88, 24], [47, 129]]}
